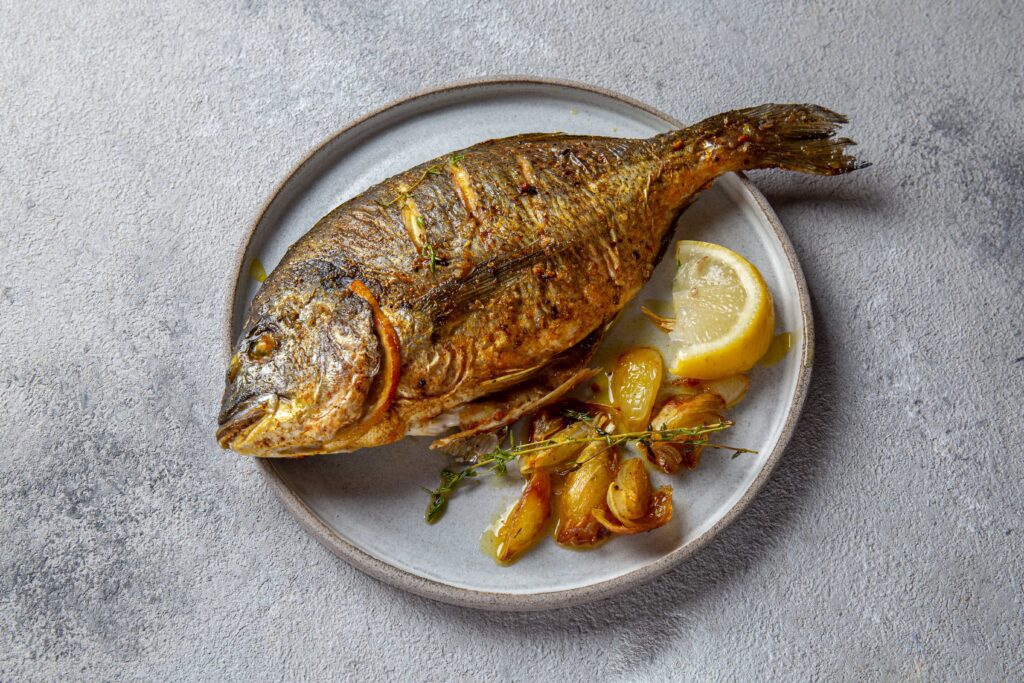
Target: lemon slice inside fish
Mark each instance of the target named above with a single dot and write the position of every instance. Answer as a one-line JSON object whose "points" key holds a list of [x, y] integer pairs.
{"points": [[724, 312]]}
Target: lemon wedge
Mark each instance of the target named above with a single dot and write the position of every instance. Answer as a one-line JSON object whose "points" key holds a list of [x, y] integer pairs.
{"points": [[724, 312]]}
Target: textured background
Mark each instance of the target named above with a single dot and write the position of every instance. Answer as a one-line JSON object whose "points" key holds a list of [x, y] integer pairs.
{"points": [[138, 143]]}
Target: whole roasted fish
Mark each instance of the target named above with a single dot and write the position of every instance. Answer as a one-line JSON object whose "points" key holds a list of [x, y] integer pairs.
{"points": [[470, 290]]}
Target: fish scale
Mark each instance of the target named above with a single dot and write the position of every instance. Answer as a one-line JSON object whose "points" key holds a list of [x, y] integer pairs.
{"points": [[474, 277]]}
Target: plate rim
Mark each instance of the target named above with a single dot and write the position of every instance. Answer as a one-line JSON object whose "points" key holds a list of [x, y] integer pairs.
{"points": [[466, 597]]}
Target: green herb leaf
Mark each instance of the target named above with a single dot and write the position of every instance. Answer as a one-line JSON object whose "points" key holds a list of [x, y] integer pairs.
{"points": [[428, 251]]}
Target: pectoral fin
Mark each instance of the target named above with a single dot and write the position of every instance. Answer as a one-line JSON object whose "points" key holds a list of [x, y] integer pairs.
{"points": [[543, 388], [488, 415]]}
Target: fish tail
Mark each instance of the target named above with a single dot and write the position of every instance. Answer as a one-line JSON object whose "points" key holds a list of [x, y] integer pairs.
{"points": [[795, 137]]}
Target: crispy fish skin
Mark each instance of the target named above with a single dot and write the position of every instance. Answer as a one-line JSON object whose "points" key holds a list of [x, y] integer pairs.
{"points": [[468, 274]]}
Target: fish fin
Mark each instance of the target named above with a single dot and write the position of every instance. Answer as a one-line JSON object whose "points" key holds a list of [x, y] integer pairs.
{"points": [[532, 137], [511, 379], [555, 369], [794, 137], [455, 296], [496, 410], [492, 414]]}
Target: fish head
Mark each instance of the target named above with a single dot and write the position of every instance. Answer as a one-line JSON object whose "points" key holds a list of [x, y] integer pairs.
{"points": [[304, 370]]}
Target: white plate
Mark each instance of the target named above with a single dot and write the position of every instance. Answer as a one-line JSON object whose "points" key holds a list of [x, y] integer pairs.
{"points": [[368, 506]]}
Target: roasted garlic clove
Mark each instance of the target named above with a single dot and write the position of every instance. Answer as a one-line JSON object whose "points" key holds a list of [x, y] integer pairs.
{"points": [[659, 513], [635, 382], [628, 496], [524, 523], [677, 412], [670, 456], [731, 389], [689, 411], [585, 489], [569, 442]]}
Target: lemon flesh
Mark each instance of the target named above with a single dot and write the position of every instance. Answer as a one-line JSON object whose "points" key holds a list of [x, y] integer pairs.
{"points": [[725, 318]]}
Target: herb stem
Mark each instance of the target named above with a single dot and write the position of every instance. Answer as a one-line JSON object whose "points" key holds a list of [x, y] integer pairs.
{"points": [[453, 160], [496, 461]]}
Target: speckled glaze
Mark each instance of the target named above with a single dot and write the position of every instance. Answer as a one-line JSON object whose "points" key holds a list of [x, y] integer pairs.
{"points": [[377, 564]]}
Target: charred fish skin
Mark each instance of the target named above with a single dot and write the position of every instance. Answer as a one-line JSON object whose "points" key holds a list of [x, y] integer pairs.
{"points": [[468, 274]]}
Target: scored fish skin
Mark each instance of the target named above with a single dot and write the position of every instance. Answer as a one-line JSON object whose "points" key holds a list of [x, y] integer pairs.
{"points": [[466, 275]]}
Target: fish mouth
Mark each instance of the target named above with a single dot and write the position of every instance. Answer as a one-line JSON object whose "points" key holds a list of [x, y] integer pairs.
{"points": [[242, 417]]}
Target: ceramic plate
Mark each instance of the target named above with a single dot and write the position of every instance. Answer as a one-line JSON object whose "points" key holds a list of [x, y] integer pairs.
{"points": [[368, 506]]}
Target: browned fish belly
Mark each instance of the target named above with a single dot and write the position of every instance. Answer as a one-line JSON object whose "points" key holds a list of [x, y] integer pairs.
{"points": [[471, 289]]}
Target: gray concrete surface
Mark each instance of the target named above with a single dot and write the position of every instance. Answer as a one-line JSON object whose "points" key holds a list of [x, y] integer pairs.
{"points": [[139, 141]]}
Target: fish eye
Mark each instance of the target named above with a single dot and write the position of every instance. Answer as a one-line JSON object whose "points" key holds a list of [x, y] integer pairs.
{"points": [[262, 346]]}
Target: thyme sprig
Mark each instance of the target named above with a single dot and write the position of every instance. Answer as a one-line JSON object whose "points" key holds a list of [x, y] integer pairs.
{"points": [[435, 169], [496, 461], [404, 195], [428, 250]]}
